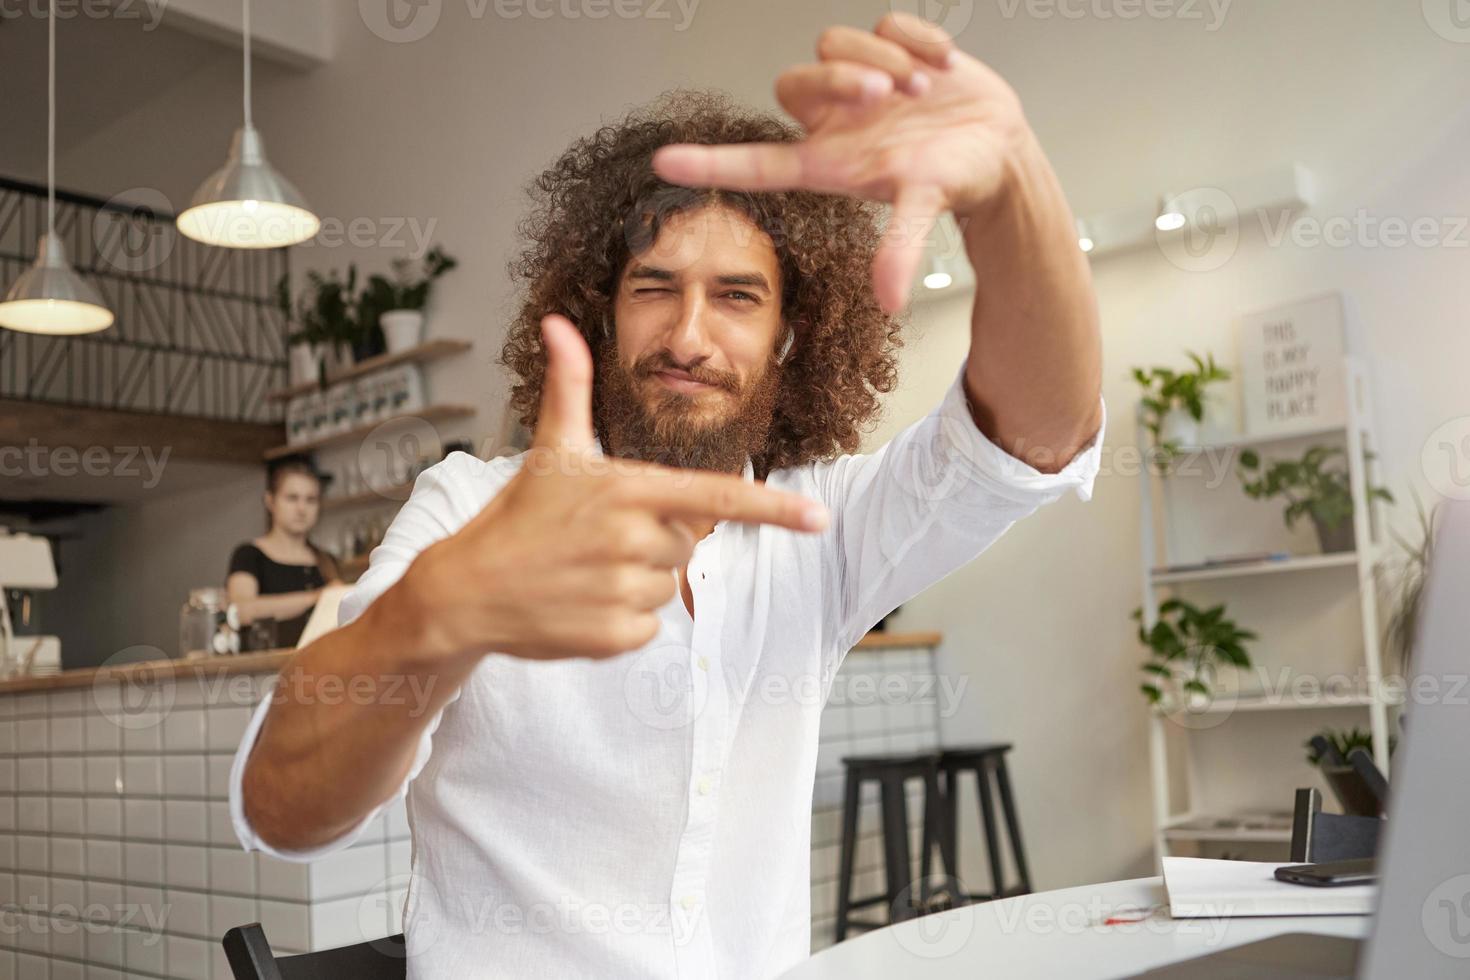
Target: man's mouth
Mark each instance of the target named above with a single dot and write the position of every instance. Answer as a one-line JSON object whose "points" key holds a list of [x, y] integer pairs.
{"points": [[682, 382]]}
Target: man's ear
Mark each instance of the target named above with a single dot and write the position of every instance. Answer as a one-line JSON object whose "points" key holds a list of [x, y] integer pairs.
{"points": [[786, 344]]}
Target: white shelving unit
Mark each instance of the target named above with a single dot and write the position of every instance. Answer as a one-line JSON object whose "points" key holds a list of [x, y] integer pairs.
{"points": [[1356, 437]]}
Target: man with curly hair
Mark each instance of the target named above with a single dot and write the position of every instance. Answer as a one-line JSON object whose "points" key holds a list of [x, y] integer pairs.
{"points": [[624, 637]]}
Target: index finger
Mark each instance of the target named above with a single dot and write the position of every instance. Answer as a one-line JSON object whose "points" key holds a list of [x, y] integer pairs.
{"points": [[743, 166], [714, 496]]}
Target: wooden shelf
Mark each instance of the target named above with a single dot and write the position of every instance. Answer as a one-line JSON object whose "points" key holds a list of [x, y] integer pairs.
{"points": [[426, 414], [1300, 563], [431, 351], [368, 498]]}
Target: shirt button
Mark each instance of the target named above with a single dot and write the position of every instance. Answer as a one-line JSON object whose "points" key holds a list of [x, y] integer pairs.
{"points": [[704, 785], [688, 902], [704, 663]]}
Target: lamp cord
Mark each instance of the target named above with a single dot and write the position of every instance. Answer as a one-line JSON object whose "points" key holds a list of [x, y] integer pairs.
{"points": [[51, 119], [248, 123]]}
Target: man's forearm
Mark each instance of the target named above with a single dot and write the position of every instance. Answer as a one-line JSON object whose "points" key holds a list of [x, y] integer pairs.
{"points": [[1034, 374], [348, 713]]}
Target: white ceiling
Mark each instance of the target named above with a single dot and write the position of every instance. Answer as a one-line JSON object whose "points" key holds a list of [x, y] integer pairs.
{"points": [[109, 67], [1125, 107]]}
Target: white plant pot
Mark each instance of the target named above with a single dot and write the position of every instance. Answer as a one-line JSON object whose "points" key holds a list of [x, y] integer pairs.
{"points": [[306, 360], [1179, 428], [337, 357], [402, 329], [1220, 421]]}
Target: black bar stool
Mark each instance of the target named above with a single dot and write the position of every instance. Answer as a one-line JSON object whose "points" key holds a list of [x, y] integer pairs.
{"points": [[986, 762], [891, 772]]}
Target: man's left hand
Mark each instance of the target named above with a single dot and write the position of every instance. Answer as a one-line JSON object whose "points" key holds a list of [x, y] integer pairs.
{"points": [[898, 115]]}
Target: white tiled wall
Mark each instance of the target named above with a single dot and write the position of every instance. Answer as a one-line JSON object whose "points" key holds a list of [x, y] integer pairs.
{"points": [[117, 858], [884, 700]]}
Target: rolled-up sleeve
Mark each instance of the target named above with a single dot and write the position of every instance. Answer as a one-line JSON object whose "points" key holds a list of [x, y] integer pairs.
{"points": [[937, 495], [435, 509]]}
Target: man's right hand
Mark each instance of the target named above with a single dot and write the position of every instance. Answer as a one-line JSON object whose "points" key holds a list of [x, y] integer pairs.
{"points": [[576, 554]]}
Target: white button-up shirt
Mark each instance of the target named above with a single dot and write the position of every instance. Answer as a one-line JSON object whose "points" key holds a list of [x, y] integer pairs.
{"points": [[649, 815]]}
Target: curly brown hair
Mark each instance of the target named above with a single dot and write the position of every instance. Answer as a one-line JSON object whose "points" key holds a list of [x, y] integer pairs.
{"points": [[601, 203]]}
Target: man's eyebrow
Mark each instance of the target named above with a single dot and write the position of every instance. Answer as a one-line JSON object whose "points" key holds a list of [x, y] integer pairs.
{"points": [[744, 279], [641, 271], [753, 279]]}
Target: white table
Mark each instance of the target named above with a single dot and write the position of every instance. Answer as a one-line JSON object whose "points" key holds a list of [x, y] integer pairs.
{"points": [[1049, 935]]}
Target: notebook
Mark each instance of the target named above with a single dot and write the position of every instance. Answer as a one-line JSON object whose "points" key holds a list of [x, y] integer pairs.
{"points": [[1208, 888], [323, 617]]}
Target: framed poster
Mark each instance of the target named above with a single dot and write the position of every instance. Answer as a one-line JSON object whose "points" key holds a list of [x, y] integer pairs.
{"points": [[1291, 367]]}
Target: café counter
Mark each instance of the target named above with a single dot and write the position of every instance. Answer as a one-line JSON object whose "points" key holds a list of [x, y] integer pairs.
{"points": [[117, 853]]}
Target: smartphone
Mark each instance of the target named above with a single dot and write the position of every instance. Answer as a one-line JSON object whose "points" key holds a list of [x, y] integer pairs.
{"points": [[1330, 873]]}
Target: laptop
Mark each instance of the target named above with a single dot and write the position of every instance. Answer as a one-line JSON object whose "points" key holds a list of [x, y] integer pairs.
{"points": [[1422, 927]]}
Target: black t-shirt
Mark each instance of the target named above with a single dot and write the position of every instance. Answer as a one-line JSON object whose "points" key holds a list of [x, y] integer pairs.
{"points": [[274, 578]]}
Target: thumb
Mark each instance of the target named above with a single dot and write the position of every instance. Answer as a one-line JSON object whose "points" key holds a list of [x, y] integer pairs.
{"points": [[565, 419]]}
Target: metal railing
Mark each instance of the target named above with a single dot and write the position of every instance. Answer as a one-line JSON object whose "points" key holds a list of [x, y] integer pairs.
{"points": [[197, 330]]}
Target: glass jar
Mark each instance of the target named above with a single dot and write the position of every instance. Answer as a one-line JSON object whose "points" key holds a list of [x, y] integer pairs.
{"points": [[205, 628]]}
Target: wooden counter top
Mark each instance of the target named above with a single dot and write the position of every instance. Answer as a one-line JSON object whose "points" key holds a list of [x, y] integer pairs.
{"points": [[270, 661], [261, 662], [895, 640]]}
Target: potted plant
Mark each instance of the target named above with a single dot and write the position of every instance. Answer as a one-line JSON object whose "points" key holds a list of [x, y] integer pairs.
{"points": [[1354, 795], [396, 305], [1316, 486], [325, 315], [1187, 646], [305, 355], [1174, 401], [1344, 741], [1403, 586]]}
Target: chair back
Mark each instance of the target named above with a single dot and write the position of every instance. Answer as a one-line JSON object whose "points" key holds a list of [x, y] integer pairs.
{"points": [[250, 958]]}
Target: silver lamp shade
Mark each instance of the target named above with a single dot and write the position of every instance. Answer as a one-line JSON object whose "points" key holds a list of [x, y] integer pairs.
{"points": [[247, 204], [51, 298]]}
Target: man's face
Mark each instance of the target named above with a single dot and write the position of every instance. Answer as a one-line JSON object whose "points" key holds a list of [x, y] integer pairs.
{"points": [[691, 380]]}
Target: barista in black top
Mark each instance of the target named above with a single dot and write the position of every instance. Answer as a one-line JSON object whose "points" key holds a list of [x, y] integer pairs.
{"points": [[280, 574]]}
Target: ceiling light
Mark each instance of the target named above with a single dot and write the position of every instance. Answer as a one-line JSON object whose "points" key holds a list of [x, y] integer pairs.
{"points": [[50, 297], [246, 203], [1171, 215], [1084, 237]]}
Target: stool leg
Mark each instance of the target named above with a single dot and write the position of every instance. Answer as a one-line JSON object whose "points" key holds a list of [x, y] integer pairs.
{"points": [[1013, 825], [937, 830], [992, 832], [951, 790], [931, 831], [849, 849], [897, 864]]}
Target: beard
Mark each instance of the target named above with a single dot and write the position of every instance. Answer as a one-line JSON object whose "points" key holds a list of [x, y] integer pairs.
{"points": [[639, 418]]}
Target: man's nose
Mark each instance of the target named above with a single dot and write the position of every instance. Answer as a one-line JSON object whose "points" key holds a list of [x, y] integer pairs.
{"points": [[688, 340]]}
